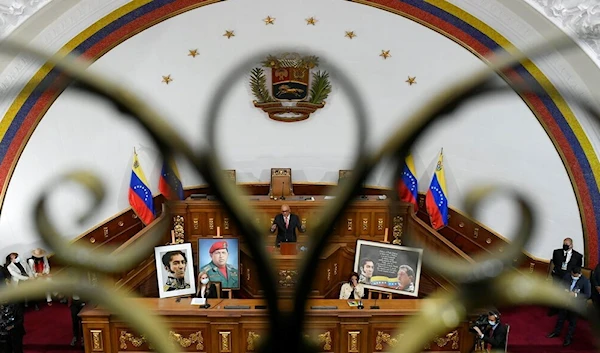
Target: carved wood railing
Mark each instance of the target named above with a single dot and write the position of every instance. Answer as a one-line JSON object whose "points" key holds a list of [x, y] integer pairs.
{"points": [[473, 238]]}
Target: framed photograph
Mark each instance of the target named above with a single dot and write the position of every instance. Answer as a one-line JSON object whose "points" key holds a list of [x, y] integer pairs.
{"points": [[175, 270], [220, 259], [388, 268]]}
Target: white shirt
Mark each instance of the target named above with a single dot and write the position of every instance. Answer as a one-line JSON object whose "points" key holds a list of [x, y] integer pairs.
{"points": [[568, 255]]}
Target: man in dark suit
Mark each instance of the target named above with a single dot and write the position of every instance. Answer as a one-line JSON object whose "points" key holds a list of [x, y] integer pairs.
{"points": [[579, 287], [595, 279], [286, 224], [495, 335], [565, 260]]}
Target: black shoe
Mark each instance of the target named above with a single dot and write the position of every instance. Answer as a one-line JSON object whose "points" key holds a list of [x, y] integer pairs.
{"points": [[553, 334], [567, 342]]}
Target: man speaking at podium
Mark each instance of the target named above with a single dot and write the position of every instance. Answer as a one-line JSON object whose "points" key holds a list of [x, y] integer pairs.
{"points": [[285, 224]]}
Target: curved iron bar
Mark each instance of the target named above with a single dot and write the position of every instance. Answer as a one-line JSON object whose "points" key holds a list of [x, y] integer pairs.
{"points": [[287, 328], [398, 145], [114, 300]]}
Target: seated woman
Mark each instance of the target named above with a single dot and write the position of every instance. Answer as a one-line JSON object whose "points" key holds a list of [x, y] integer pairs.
{"points": [[205, 288], [352, 289]]}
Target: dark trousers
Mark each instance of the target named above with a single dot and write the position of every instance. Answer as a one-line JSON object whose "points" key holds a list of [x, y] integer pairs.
{"points": [[12, 343], [569, 316], [76, 307]]}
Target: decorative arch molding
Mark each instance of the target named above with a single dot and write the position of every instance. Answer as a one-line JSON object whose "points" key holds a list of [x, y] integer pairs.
{"points": [[552, 111]]}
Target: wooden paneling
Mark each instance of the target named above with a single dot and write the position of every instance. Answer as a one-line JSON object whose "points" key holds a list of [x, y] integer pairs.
{"points": [[345, 329]]}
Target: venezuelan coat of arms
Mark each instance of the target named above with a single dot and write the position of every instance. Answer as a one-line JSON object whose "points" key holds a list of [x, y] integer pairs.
{"points": [[289, 87]]}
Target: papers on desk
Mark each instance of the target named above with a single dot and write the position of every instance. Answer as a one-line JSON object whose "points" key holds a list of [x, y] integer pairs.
{"points": [[352, 303], [198, 301], [329, 197]]}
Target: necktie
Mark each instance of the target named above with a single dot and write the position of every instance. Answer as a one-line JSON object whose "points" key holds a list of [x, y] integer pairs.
{"points": [[287, 221], [573, 284]]}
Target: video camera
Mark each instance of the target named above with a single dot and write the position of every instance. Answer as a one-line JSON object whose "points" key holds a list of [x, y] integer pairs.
{"points": [[481, 322]]}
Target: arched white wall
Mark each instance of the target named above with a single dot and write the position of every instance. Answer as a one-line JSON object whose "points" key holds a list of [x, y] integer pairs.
{"points": [[496, 140]]}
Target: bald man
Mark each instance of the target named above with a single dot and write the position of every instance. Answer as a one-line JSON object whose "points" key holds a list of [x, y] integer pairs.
{"points": [[286, 224], [565, 260]]}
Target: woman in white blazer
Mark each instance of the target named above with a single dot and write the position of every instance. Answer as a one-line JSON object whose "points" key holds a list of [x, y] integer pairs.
{"points": [[19, 270], [352, 289]]}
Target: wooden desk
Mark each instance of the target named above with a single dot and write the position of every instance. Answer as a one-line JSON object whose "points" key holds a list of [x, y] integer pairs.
{"points": [[220, 330]]}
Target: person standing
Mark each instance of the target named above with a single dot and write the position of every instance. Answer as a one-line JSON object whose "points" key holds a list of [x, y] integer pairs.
{"points": [[38, 262], [286, 224], [565, 260], [75, 305]]}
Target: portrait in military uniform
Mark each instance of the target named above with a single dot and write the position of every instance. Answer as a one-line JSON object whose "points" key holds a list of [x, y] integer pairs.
{"points": [[175, 270], [219, 258]]}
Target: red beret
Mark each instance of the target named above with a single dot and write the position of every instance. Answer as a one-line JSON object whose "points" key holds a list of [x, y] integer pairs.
{"points": [[218, 246]]}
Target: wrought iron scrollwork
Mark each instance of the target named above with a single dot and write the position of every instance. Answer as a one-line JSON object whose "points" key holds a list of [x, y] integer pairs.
{"points": [[490, 281]]}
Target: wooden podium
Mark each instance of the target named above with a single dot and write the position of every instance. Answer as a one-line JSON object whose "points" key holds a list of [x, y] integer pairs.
{"points": [[288, 248]]}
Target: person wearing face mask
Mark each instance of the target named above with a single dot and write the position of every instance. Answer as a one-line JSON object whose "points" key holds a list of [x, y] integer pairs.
{"points": [[580, 288], [352, 289], [205, 288], [19, 271], [218, 269], [563, 261], [494, 336]]}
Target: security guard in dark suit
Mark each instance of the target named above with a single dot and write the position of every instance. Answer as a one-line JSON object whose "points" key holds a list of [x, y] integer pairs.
{"points": [[218, 269]]}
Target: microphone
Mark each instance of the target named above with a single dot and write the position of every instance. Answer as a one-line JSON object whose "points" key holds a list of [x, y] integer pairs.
{"points": [[282, 189], [206, 305], [375, 306]]}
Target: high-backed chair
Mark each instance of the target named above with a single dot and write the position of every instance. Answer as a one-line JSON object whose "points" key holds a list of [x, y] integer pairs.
{"points": [[230, 174], [343, 174], [281, 182]]}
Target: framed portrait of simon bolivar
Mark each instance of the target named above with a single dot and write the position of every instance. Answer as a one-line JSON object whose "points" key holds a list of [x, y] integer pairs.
{"points": [[388, 268], [175, 270], [220, 259]]}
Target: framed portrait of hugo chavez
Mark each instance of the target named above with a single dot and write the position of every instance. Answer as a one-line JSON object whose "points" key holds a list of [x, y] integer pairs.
{"points": [[220, 259], [175, 270], [388, 268]]}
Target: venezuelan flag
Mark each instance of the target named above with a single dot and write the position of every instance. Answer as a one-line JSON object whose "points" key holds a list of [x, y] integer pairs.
{"points": [[170, 181], [407, 185], [140, 196], [436, 201]]}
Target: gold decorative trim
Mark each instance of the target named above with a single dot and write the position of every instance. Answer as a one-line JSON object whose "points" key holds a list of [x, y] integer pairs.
{"points": [[304, 222], [252, 341], [178, 222], [353, 342], [349, 223], [287, 278], [461, 225], [105, 230], [443, 341], [97, 343], [397, 230], [335, 269], [226, 223], [475, 233], [248, 274], [196, 223], [92, 240], [211, 223], [271, 220], [383, 337], [365, 224], [379, 223], [225, 341], [121, 223], [128, 337], [329, 274], [531, 267], [325, 339], [184, 342], [488, 240], [280, 172]]}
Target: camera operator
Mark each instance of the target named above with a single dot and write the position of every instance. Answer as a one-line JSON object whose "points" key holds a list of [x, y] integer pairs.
{"points": [[494, 336]]}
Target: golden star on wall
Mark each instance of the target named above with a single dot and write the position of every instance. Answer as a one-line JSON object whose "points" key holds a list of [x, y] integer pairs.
{"points": [[167, 79], [385, 54], [350, 34], [229, 34], [311, 21], [411, 80], [269, 20], [193, 53]]}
